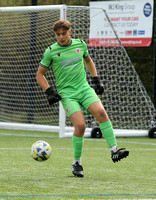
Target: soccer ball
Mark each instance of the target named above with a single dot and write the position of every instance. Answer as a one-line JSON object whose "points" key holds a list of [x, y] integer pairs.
{"points": [[41, 151]]}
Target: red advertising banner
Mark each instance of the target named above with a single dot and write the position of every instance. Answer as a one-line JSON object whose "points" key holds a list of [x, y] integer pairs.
{"points": [[127, 42]]}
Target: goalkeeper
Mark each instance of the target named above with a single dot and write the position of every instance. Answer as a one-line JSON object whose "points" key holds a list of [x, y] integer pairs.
{"points": [[66, 57]]}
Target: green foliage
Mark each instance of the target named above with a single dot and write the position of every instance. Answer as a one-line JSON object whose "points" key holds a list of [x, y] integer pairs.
{"points": [[142, 59], [43, 2], [15, 3], [21, 175]]}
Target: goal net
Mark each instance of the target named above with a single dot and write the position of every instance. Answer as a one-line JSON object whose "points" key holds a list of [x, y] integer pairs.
{"points": [[25, 33]]}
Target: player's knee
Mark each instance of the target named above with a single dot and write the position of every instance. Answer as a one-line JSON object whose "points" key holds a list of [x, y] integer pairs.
{"points": [[80, 129], [101, 112], [102, 115]]}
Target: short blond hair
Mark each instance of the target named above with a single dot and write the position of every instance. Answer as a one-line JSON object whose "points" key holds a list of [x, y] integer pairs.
{"points": [[65, 24]]}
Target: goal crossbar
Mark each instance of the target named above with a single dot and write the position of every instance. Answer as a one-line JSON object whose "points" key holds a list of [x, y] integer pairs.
{"points": [[31, 8]]}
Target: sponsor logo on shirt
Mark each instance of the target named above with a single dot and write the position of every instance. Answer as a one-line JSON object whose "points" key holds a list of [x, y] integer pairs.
{"points": [[70, 62]]}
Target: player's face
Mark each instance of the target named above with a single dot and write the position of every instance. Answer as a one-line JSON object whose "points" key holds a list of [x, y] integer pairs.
{"points": [[63, 36]]}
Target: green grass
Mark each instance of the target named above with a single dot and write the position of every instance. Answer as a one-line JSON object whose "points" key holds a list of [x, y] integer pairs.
{"points": [[21, 177]]}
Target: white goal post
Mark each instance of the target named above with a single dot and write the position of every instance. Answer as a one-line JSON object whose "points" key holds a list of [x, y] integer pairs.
{"points": [[25, 33]]}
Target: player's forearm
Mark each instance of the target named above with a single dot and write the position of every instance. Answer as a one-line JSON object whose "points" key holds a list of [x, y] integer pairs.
{"points": [[92, 70], [91, 67], [42, 81]]}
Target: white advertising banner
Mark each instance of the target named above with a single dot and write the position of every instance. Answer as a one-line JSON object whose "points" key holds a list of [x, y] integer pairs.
{"points": [[132, 21]]}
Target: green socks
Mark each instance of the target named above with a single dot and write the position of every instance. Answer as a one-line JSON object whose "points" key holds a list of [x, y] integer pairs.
{"points": [[108, 133], [77, 146]]}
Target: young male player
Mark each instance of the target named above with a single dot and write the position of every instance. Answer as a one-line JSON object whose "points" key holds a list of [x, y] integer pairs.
{"points": [[67, 57]]}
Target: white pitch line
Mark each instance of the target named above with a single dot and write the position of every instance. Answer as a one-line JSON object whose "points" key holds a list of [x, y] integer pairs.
{"points": [[12, 148], [126, 142], [87, 139], [24, 135], [144, 143], [99, 149]]}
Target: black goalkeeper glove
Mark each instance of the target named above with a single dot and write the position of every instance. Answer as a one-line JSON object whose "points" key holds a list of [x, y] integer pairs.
{"points": [[52, 96], [97, 85]]}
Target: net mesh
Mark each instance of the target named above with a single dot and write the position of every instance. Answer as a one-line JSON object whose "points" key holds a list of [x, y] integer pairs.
{"points": [[25, 36]]}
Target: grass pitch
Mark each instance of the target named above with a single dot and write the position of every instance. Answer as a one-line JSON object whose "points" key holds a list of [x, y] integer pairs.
{"points": [[22, 178]]}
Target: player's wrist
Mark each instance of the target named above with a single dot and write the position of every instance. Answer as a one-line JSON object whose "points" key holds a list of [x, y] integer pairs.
{"points": [[96, 79], [97, 85], [49, 91]]}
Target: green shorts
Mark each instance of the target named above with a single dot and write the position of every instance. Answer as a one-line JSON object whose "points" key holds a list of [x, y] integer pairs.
{"points": [[79, 98]]}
